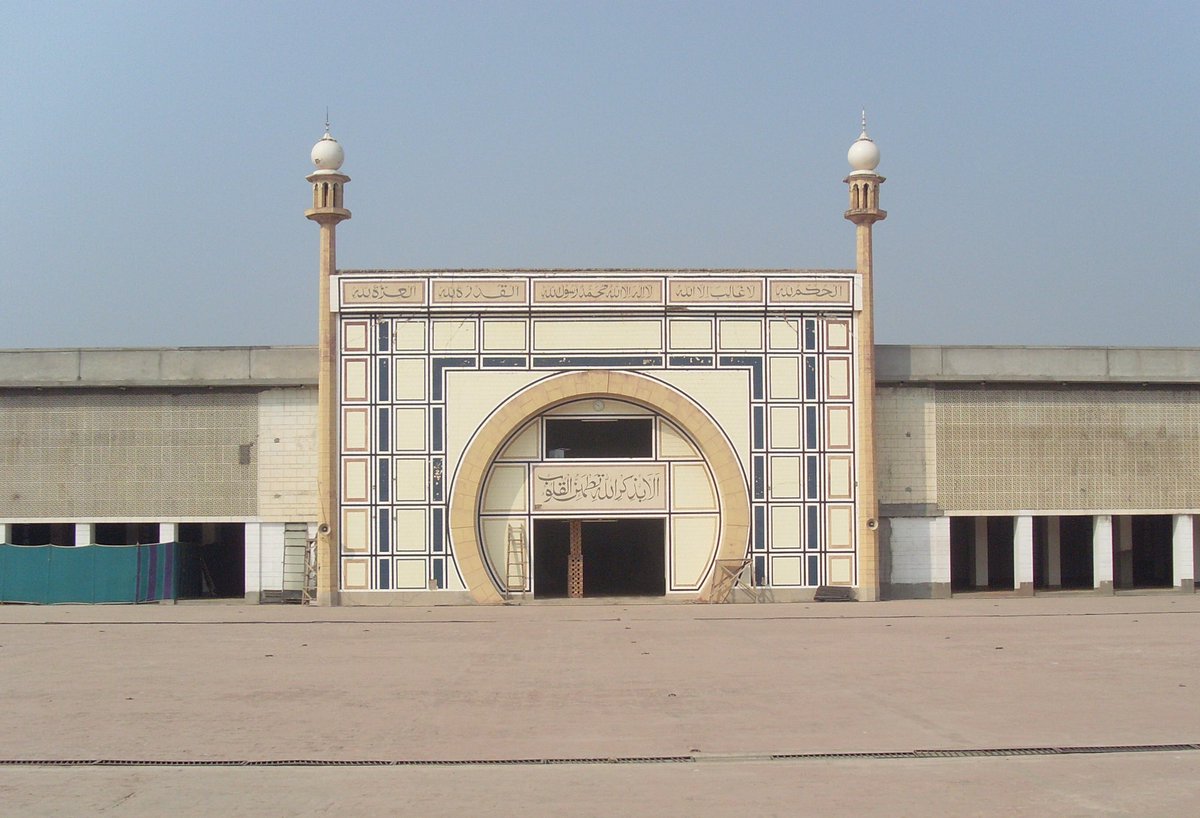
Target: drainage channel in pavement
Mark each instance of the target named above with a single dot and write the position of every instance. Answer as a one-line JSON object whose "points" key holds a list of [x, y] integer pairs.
{"points": [[694, 758]]}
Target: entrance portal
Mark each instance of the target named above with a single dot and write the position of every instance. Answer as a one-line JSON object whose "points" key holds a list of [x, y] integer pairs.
{"points": [[625, 557]]}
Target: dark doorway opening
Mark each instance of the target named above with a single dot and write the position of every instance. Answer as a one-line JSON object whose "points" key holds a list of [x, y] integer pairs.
{"points": [[1151, 551], [590, 438], [1070, 566], [1001, 570], [967, 560], [212, 560], [551, 546], [624, 557], [1075, 542], [962, 553]]}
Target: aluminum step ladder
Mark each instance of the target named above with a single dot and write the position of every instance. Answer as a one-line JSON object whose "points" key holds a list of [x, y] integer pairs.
{"points": [[297, 564], [517, 562]]}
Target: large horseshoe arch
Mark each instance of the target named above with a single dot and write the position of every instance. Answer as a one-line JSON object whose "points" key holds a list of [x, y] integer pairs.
{"points": [[732, 492]]}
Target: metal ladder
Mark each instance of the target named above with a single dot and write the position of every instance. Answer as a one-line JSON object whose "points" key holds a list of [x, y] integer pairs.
{"points": [[296, 563], [516, 574]]}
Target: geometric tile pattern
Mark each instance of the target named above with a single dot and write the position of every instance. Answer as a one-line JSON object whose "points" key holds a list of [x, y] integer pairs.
{"points": [[129, 455], [1077, 450], [800, 405]]}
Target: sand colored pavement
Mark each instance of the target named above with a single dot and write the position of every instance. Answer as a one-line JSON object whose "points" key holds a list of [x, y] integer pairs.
{"points": [[722, 686]]}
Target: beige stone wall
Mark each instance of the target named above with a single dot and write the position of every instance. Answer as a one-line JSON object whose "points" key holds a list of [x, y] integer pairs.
{"points": [[127, 455], [287, 455], [1067, 449], [906, 443]]}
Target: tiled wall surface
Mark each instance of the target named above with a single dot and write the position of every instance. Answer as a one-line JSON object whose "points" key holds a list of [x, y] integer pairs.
{"points": [[287, 454], [414, 388], [906, 445]]}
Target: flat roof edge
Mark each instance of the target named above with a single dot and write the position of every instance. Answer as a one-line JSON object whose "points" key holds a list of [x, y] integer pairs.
{"points": [[1036, 364]]}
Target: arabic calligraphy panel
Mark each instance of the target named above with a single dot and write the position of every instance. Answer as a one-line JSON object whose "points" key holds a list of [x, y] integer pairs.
{"points": [[716, 291], [596, 487], [356, 292], [479, 291], [811, 291], [597, 291]]}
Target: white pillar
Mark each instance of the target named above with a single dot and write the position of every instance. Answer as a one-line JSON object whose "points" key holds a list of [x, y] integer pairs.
{"points": [[981, 552], [5, 533], [1023, 554], [1102, 552], [1181, 552], [85, 533], [254, 568], [1053, 552], [168, 532], [939, 554], [1124, 565]]}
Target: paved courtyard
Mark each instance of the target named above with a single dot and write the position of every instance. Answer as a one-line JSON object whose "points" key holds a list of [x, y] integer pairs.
{"points": [[708, 698]]}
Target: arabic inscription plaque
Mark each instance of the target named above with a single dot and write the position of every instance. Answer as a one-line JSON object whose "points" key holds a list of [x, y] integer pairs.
{"points": [[594, 487], [376, 291], [811, 291], [479, 291], [716, 291]]}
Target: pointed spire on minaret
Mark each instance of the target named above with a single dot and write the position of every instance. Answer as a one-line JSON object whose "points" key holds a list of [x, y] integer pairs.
{"points": [[864, 182]]}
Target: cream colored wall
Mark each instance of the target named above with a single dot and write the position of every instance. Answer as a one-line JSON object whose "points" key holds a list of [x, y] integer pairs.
{"points": [[287, 455], [906, 445], [470, 397], [725, 395]]}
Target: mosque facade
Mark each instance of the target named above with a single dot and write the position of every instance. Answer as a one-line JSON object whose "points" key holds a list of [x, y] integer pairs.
{"points": [[501, 436]]}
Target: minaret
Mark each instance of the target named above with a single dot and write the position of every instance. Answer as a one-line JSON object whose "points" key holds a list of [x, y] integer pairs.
{"points": [[864, 211], [327, 210]]}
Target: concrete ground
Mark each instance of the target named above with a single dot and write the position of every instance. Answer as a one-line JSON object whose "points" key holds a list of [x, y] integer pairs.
{"points": [[709, 694]]}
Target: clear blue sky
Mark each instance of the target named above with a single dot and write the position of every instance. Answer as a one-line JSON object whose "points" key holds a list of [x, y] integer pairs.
{"points": [[1041, 157]]}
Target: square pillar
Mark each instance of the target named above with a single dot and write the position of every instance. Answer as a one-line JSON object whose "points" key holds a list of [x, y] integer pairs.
{"points": [[5, 533], [939, 556], [981, 552], [1053, 552], [168, 532], [254, 566], [1102, 552], [85, 533], [1023, 554], [1123, 558], [1182, 543]]}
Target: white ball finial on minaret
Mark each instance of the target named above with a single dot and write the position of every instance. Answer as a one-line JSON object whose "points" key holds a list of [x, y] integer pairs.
{"points": [[327, 154], [863, 155]]}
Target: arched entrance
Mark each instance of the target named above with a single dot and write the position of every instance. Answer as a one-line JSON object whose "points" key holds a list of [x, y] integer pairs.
{"points": [[665, 401]]}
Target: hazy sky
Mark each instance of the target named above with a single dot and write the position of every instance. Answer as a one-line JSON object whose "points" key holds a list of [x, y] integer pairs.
{"points": [[1041, 157]]}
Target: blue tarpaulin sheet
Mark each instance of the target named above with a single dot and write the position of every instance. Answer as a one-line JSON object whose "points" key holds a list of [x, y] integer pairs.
{"points": [[50, 574]]}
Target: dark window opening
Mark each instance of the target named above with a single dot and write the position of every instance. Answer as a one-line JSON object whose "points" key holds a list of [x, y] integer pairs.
{"points": [[596, 438], [126, 533], [41, 534]]}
